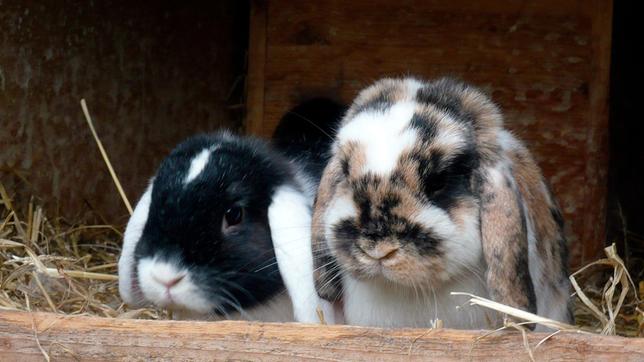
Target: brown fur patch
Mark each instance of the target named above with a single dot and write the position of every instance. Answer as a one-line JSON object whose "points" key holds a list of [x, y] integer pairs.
{"points": [[540, 206], [327, 281], [488, 121], [505, 243], [463, 209], [388, 90], [353, 157]]}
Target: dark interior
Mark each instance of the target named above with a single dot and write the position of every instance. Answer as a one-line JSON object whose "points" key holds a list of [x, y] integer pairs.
{"points": [[626, 170]]}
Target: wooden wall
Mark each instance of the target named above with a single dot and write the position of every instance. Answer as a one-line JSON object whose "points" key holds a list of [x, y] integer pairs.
{"points": [[152, 73], [545, 62]]}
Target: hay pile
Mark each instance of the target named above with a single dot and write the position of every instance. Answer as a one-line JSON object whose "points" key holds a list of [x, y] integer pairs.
{"points": [[55, 266], [608, 300]]}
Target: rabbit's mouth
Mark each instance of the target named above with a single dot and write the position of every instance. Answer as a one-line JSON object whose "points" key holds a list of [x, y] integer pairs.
{"points": [[169, 285], [397, 265]]}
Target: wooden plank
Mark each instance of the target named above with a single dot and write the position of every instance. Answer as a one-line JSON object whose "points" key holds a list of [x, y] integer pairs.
{"points": [[602, 15], [256, 63], [545, 62], [91, 338]]}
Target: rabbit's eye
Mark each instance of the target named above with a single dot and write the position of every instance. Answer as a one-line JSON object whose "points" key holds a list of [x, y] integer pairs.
{"points": [[233, 216], [435, 184]]}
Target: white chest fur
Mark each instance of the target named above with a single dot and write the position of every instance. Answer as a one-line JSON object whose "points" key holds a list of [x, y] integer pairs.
{"points": [[382, 304], [277, 309]]}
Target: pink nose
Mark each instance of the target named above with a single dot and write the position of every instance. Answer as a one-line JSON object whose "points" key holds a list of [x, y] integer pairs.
{"points": [[169, 283], [382, 251]]}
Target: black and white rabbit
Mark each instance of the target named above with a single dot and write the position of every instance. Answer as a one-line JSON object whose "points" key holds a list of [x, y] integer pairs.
{"points": [[224, 226], [426, 193]]}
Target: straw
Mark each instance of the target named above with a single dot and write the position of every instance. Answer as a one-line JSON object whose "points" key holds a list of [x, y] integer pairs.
{"points": [[105, 158]]}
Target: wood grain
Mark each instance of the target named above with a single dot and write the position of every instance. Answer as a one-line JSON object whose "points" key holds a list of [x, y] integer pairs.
{"points": [[152, 73], [545, 62], [91, 338], [256, 64]]}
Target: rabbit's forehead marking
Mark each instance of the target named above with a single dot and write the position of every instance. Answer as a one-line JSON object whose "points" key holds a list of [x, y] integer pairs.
{"points": [[384, 143], [382, 135], [198, 164], [383, 95]]}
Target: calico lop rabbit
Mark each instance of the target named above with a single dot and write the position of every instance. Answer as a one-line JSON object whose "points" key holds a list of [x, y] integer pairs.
{"points": [[224, 226], [426, 193]]}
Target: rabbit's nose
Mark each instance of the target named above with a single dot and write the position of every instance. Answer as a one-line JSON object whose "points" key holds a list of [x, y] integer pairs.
{"points": [[170, 281], [382, 251]]}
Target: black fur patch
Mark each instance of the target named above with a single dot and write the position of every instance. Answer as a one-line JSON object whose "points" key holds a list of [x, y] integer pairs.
{"points": [[306, 132], [346, 232], [426, 242], [344, 164], [426, 127], [444, 180], [556, 215], [378, 222], [523, 279], [379, 103], [397, 178], [445, 94], [328, 284], [389, 202]]}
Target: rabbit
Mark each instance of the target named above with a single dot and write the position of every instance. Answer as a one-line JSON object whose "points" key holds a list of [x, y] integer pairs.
{"points": [[426, 193], [224, 226]]}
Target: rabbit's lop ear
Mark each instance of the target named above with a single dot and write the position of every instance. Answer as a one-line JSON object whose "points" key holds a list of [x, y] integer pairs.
{"points": [[326, 271], [504, 237], [129, 287]]}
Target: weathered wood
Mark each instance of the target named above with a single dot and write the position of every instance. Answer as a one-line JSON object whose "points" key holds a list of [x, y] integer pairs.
{"points": [[256, 63], [597, 142], [69, 337], [152, 73], [545, 62]]}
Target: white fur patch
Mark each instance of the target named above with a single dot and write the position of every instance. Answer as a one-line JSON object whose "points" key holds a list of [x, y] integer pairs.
{"points": [[384, 135], [197, 165], [382, 304], [185, 294], [462, 243], [495, 175], [413, 85], [450, 137], [340, 208], [507, 141], [133, 233], [276, 309], [552, 301], [289, 218]]}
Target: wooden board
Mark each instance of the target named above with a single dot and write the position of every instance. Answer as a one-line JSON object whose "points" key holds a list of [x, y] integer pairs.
{"points": [[90, 338], [152, 74], [545, 62]]}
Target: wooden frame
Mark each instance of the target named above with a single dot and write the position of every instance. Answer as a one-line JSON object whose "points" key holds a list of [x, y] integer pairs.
{"points": [[27, 336]]}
